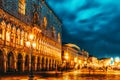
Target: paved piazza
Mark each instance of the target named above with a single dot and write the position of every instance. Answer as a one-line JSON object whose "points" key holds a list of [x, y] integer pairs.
{"points": [[74, 75]]}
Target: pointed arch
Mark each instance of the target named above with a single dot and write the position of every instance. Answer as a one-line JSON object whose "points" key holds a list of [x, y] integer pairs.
{"points": [[33, 63], [47, 63], [8, 32], [53, 32], [43, 62], [2, 29], [59, 37], [11, 60], [19, 62], [1, 62], [26, 63], [45, 22], [38, 63], [18, 36]]}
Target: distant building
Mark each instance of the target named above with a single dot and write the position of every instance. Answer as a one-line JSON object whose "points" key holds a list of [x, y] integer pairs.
{"points": [[104, 62], [84, 53], [19, 19], [92, 61], [71, 56]]}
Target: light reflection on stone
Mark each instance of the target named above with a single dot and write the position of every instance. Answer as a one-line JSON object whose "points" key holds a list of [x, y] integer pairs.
{"points": [[69, 76]]}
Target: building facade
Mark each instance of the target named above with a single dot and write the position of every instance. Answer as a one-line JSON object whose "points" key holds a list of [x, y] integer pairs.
{"points": [[71, 57], [19, 19]]}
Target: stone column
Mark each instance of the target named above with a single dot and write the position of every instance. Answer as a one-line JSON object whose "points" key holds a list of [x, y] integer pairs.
{"points": [[48, 65], [5, 64], [51, 64], [23, 65], [56, 65], [44, 63], [40, 63], [5, 61], [15, 65]]}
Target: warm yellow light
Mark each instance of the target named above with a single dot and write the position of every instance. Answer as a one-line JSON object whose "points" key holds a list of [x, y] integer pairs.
{"points": [[111, 59], [31, 36], [79, 61], [75, 59], [7, 36], [117, 59], [0, 35], [85, 62], [34, 45], [66, 56], [21, 41], [64, 61], [28, 44], [66, 53]]}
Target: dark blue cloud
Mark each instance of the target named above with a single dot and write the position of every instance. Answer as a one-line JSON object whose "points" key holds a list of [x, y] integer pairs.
{"points": [[91, 24]]}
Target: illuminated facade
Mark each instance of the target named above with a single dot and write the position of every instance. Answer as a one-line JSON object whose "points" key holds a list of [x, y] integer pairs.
{"points": [[92, 62], [71, 56], [19, 19], [104, 62]]}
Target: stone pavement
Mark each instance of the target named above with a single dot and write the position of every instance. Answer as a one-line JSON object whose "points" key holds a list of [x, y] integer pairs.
{"points": [[48, 75]]}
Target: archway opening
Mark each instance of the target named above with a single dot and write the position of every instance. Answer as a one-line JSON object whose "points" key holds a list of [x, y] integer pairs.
{"points": [[50, 64], [10, 62], [43, 63], [19, 63], [38, 63], [47, 64], [33, 63], [1, 62], [53, 64], [26, 63]]}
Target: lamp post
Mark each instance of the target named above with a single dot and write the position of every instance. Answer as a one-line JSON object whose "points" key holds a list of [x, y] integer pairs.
{"points": [[32, 45]]}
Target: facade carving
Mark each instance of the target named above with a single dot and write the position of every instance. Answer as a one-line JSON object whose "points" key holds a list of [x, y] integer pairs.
{"points": [[15, 28]]}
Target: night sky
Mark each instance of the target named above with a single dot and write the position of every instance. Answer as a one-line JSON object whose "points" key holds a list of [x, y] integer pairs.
{"points": [[94, 25]]}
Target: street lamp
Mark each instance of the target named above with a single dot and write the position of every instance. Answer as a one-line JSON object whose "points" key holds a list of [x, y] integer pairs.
{"points": [[66, 56], [32, 45]]}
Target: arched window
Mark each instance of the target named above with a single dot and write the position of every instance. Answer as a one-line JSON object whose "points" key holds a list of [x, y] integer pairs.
{"points": [[0, 33], [45, 22], [21, 6], [22, 38], [59, 37], [13, 34], [18, 36], [3, 26], [8, 32], [53, 32]]}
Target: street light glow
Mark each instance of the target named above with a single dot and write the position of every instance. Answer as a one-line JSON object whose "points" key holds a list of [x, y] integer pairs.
{"points": [[28, 43], [75, 59], [34, 45], [66, 57], [79, 61], [31, 36], [117, 59]]}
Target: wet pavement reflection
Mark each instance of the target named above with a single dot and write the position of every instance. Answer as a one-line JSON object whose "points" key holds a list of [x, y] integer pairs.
{"points": [[66, 76]]}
